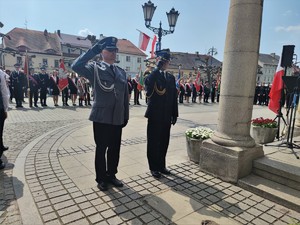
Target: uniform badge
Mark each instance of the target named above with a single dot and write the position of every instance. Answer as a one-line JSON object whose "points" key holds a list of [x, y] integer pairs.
{"points": [[102, 67]]}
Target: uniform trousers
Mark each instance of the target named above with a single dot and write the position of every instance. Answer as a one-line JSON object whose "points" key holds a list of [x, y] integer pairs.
{"points": [[158, 136], [108, 140], [34, 93], [43, 96], [2, 119]]}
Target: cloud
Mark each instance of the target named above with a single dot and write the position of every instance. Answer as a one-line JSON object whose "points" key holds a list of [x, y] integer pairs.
{"points": [[288, 28], [84, 32], [287, 13]]}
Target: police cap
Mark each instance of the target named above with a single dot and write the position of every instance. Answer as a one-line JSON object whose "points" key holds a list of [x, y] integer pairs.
{"points": [[164, 54], [109, 43]]}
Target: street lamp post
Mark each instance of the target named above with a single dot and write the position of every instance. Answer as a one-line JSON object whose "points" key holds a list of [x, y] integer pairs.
{"points": [[149, 9]]}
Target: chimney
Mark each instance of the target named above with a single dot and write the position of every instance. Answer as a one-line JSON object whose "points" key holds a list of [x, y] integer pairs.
{"points": [[273, 55], [101, 36], [58, 32], [46, 32]]}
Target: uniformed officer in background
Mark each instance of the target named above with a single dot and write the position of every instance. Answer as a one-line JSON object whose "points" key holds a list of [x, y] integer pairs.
{"points": [[110, 111], [44, 84], [162, 111], [17, 82], [34, 88]]}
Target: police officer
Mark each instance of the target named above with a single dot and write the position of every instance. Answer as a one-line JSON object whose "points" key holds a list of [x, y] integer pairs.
{"points": [[44, 83], [162, 111], [17, 82], [110, 111], [34, 88]]}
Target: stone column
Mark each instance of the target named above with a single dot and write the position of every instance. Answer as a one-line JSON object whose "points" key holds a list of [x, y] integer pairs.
{"points": [[230, 153]]}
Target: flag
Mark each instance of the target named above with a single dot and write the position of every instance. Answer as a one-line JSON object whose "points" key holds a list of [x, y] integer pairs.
{"points": [[153, 45], [63, 77], [144, 40], [275, 92], [197, 82]]}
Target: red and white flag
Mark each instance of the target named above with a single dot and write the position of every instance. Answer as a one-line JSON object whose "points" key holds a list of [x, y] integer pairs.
{"points": [[153, 46], [63, 77], [197, 82], [275, 92], [144, 40]]}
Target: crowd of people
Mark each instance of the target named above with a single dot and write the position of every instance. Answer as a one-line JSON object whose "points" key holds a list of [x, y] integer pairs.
{"points": [[38, 86], [261, 95]]}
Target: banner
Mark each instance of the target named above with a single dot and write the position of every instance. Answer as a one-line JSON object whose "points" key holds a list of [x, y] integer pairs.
{"points": [[63, 76]]}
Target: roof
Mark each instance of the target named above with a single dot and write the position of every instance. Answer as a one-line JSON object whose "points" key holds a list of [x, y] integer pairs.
{"points": [[270, 59], [73, 40], [33, 41], [126, 46], [190, 60]]}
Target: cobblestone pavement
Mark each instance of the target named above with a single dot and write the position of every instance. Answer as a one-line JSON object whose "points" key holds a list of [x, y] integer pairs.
{"points": [[35, 138]]}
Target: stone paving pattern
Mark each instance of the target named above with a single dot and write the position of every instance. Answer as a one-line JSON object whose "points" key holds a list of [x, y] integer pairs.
{"points": [[60, 201]]}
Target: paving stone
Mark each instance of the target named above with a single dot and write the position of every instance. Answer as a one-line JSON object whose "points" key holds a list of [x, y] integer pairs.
{"points": [[115, 220], [72, 217], [260, 221], [68, 210], [95, 218], [80, 222], [64, 204], [108, 213], [49, 216], [268, 218], [147, 218], [89, 211], [254, 212]]}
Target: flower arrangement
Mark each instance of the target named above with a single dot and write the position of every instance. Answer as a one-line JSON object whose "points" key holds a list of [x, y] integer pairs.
{"points": [[200, 133], [261, 122]]}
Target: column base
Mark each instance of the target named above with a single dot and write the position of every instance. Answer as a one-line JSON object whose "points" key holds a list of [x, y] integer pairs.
{"points": [[228, 163]]}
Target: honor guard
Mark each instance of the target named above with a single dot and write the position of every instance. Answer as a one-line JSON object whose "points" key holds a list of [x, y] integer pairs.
{"points": [[17, 82], [162, 111], [110, 111]]}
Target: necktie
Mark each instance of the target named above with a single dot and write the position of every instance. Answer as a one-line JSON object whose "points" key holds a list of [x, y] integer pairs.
{"points": [[163, 73]]}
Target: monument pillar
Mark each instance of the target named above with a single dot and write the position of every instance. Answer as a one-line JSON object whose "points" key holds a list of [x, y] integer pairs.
{"points": [[231, 150]]}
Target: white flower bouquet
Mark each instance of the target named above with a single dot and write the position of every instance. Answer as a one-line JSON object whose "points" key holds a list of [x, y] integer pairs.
{"points": [[200, 133]]}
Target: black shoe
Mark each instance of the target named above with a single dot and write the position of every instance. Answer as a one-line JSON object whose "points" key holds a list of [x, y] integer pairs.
{"points": [[116, 182], [4, 148], [67, 104], [156, 174], [165, 171], [102, 186]]}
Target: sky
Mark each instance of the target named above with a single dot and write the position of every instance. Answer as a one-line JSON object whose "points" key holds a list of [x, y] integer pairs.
{"points": [[201, 24]]}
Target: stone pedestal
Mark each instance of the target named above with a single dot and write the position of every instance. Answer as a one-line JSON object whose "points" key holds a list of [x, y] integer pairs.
{"points": [[230, 153], [228, 163]]}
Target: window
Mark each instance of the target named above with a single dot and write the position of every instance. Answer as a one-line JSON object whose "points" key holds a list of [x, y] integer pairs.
{"points": [[127, 58], [19, 60], [56, 63], [139, 60], [45, 62]]}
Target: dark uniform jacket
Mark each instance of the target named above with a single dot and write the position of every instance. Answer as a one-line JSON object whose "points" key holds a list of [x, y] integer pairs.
{"points": [[110, 106], [33, 82], [162, 97]]}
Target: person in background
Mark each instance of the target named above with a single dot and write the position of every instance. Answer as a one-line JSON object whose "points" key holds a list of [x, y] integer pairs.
{"points": [[17, 82], [54, 81], [4, 101], [162, 112], [188, 90], [130, 88], [206, 92], [136, 91], [181, 90], [33, 88], [73, 88], [81, 91], [44, 83], [110, 111]]}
